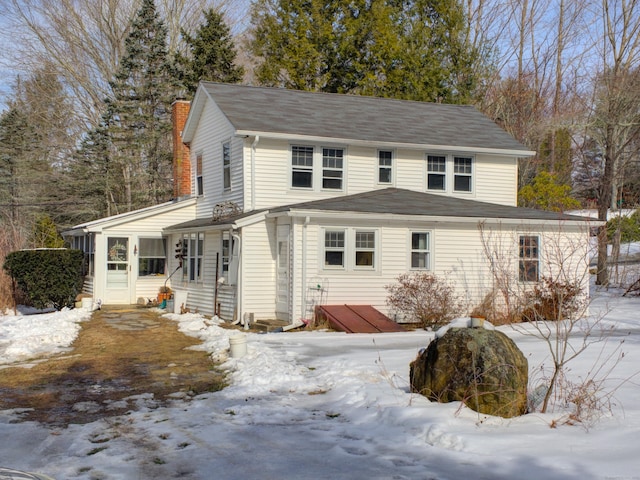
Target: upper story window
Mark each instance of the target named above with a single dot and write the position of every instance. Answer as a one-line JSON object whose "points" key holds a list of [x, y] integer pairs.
{"points": [[462, 171], [226, 165], [529, 268], [199, 183], [420, 250], [301, 166], [385, 166], [332, 164], [436, 172], [450, 173]]}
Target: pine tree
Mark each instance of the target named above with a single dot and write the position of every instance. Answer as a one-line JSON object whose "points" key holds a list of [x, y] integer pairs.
{"points": [[211, 54], [18, 164], [138, 116]]}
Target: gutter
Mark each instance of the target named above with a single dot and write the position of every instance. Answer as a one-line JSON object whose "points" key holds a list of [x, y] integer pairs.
{"points": [[379, 144]]}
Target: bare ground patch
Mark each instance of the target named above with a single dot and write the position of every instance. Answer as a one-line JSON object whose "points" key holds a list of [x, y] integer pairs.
{"points": [[119, 353]]}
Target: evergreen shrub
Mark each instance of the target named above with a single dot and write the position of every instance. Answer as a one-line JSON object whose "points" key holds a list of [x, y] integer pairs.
{"points": [[629, 227], [49, 278]]}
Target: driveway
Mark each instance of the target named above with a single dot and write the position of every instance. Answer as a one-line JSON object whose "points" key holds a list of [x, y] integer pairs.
{"points": [[122, 358]]}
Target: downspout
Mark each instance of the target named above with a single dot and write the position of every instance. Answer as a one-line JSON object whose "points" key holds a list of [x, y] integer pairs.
{"points": [[237, 238], [303, 301], [253, 171]]}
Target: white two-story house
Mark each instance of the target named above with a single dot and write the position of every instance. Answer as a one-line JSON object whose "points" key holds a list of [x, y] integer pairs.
{"points": [[287, 199]]}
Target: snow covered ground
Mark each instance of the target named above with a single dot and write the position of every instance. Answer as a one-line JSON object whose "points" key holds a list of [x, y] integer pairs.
{"points": [[314, 405]]}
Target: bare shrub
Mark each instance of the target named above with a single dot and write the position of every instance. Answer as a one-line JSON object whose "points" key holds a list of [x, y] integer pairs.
{"points": [[554, 299], [425, 297]]}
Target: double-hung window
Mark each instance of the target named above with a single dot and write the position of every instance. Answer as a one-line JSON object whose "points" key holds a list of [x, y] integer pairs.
{"points": [[334, 248], [199, 182], [462, 171], [385, 165], [436, 172], [365, 249], [152, 256], [350, 249], [194, 253], [332, 165], [226, 165], [301, 166], [226, 252], [420, 251], [529, 258]]}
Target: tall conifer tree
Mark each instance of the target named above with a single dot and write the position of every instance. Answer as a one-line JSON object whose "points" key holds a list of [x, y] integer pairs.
{"points": [[138, 116], [211, 54]]}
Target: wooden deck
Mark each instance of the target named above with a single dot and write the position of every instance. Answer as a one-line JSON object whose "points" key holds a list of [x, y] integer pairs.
{"points": [[357, 319]]}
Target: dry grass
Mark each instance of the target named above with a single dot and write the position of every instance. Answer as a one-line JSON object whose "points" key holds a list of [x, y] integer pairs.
{"points": [[108, 365]]}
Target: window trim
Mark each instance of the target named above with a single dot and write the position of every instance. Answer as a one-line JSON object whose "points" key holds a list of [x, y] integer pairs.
{"points": [[333, 168], [195, 259], [350, 249], [342, 249], [141, 256], [523, 274], [225, 253], [386, 167], [357, 249], [226, 166], [450, 174], [323, 165], [468, 175], [439, 173], [199, 175], [297, 168], [428, 250]]}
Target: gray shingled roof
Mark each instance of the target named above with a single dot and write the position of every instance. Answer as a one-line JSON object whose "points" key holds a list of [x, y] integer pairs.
{"points": [[291, 112], [397, 201]]}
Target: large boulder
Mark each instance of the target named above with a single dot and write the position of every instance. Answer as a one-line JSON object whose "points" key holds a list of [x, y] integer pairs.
{"points": [[482, 368]]}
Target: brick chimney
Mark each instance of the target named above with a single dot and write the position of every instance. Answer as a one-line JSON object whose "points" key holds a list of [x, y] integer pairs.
{"points": [[181, 157]]}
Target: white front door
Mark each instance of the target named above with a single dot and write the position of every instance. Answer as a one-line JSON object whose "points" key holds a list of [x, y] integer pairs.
{"points": [[118, 270], [283, 272]]}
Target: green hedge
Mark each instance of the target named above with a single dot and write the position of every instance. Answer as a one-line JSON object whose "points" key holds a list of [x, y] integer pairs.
{"points": [[49, 278]]}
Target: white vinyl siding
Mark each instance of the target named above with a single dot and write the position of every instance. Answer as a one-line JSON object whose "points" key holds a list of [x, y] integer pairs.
{"points": [[214, 130]]}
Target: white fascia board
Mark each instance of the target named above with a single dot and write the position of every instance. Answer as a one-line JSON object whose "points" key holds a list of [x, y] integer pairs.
{"points": [[392, 218], [368, 143], [250, 220], [242, 222], [97, 226]]}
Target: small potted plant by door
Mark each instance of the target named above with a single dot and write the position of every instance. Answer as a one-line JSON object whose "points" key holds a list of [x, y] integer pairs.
{"points": [[164, 294]]}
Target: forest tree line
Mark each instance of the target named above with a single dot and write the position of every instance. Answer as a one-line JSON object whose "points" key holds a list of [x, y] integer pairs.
{"points": [[85, 131]]}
